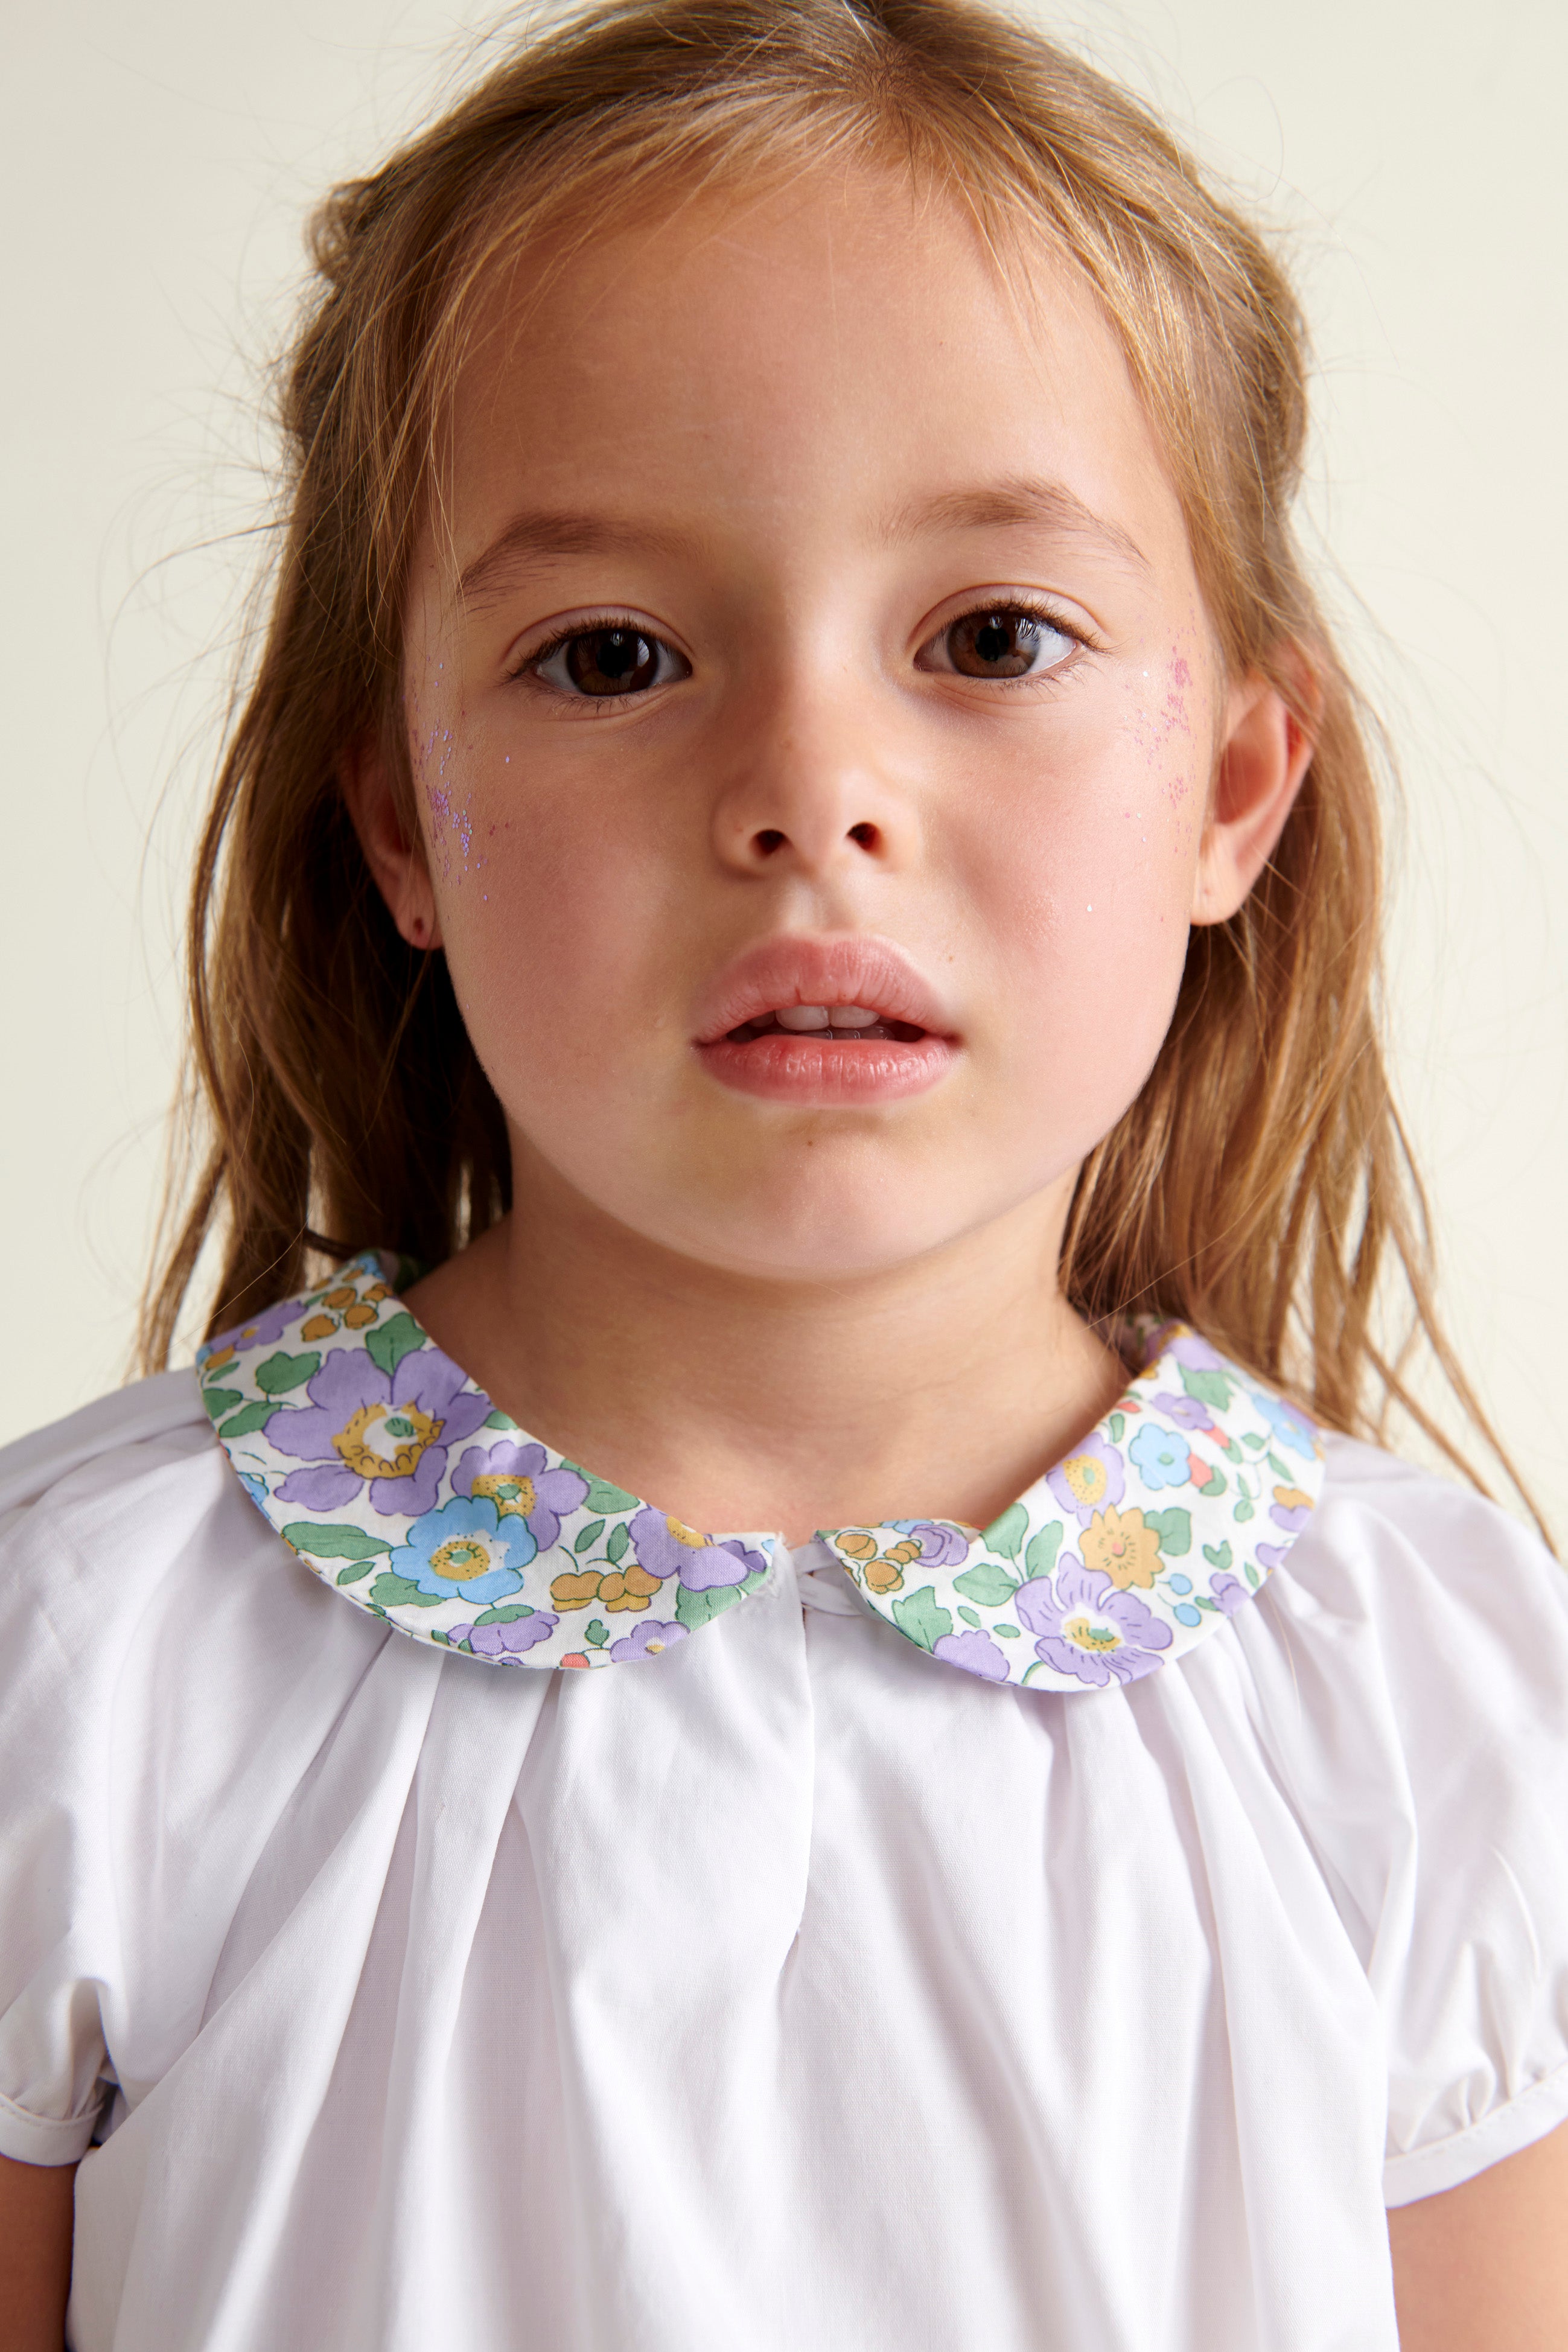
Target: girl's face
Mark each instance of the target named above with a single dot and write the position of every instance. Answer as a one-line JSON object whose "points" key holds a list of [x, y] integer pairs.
{"points": [[815, 628]]}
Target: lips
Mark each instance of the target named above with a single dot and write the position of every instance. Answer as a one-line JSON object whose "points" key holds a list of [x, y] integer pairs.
{"points": [[867, 972], [761, 1029]]}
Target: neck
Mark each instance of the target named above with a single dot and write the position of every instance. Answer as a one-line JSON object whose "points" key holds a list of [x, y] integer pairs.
{"points": [[939, 1389]]}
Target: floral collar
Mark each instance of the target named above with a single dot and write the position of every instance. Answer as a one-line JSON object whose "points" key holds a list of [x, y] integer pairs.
{"points": [[395, 1480]]}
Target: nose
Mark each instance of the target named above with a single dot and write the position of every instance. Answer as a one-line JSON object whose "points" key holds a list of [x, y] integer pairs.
{"points": [[814, 795]]}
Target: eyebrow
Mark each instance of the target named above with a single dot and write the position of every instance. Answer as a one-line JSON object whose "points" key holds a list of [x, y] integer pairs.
{"points": [[1013, 504], [546, 536], [550, 535]]}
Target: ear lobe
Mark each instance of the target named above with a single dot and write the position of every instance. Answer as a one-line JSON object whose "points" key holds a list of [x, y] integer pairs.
{"points": [[396, 863], [1265, 753]]}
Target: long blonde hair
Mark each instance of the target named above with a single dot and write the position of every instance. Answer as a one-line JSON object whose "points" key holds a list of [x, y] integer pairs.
{"points": [[1260, 1187]]}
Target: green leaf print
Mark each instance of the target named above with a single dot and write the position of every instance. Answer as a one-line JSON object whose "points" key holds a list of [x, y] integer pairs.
{"points": [[1116, 1425], [1041, 1556], [600, 1496], [505, 1615], [331, 1539], [695, 1608], [1279, 1468], [221, 1400], [970, 1618], [390, 1341], [596, 1631], [616, 1549], [249, 1417], [921, 1618], [1006, 1534], [1008, 1633], [1212, 1388], [987, 1582], [1173, 1529], [587, 1537], [391, 1591], [1215, 1485], [498, 1420], [283, 1371], [1243, 1510], [1217, 1555]]}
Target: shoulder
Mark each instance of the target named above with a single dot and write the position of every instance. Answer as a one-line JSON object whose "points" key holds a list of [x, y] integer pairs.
{"points": [[1405, 1674], [124, 1531], [1447, 1598]]}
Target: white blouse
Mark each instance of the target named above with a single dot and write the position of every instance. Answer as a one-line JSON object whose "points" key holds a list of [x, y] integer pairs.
{"points": [[796, 1992]]}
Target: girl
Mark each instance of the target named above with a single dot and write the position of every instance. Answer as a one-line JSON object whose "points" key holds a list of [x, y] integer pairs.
{"points": [[825, 1734]]}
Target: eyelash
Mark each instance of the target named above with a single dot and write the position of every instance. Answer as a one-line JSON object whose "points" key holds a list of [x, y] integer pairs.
{"points": [[582, 628], [1032, 610]]}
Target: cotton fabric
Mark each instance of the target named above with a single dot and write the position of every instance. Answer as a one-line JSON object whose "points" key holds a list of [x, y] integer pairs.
{"points": [[794, 1990]]}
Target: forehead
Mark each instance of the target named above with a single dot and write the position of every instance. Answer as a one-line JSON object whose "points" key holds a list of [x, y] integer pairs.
{"points": [[837, 356]]}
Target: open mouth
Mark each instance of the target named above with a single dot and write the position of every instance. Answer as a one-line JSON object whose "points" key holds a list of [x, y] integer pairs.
{"points": [[823, 1024]]}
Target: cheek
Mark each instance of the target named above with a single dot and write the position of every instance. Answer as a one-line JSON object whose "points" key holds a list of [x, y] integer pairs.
{"points": [[1083, 881], [552, 919]]}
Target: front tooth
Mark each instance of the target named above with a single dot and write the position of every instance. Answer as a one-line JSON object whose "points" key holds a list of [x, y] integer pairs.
{"points": [[803, 1016], [852, 1016]]}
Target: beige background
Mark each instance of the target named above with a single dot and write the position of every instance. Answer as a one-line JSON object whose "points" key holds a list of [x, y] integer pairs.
{"points": [[156, 163]]}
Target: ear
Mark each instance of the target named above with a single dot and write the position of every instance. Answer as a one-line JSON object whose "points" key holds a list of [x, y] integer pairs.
{"points": [[396, 862], [1266, 752]]}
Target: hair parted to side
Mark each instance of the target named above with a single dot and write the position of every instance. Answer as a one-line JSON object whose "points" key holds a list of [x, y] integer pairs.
{"points": [[1260, 1187]]}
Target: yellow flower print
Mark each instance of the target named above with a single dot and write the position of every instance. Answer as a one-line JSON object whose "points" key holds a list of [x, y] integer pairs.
{"points": [[629, 1588], [1121, 1547], [576, 1589], [1086, 1479], [319, 1327], [508, 1490], [383, 1441], [356, 1317], [857, 1544]]}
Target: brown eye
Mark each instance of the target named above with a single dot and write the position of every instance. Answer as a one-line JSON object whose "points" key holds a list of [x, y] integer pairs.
{"points": [[609, 661], [1004, 642]]}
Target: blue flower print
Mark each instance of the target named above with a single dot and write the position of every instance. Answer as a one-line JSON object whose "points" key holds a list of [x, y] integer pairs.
{"points": [[1161, 1457], [1289, 1423], [467, 1550]]}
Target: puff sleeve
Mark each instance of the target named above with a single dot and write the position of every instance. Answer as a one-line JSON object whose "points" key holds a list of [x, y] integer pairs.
{"points": [[1410, 1672]]}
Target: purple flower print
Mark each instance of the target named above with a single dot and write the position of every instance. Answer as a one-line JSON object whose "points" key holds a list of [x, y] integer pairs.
{"points": [[517, 1482], [1090, 1479], [939, 1547], [1197, 1354], [977, 1654], [647, 1640], [1187, 1413], [1227, 1592], [362, 1428], [264, 1332], [664, 1547], [509, 1639], [1087, 1628], [1272, 1555], [1290, 1509], [1161, 1456]]}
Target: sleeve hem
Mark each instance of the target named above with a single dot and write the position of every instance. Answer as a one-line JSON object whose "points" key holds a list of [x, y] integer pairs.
{"points": [[1427, 2171], [42, 2139]]}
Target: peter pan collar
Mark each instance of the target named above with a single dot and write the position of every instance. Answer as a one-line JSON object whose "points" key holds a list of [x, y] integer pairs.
{"points": [[397, 1482]]}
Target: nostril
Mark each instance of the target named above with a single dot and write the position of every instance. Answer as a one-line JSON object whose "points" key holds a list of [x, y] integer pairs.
{"points": [[766, 841], [865, 836]]}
